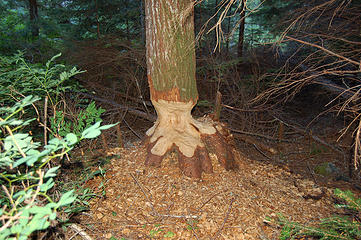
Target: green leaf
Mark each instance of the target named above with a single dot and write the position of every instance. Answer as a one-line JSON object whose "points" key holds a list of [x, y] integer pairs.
{"points": [[51, 172], [52, 59], [24, 217], [25, 160], [108, 126], [32, 159], [66, 199], [71, 138], [46, 186], [16, 228], [92, 132], [41, 211], [52, 216], [5, 233], [169, 234]]}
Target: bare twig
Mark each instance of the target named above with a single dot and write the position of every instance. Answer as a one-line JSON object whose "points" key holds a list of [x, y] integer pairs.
{"points": [[260, 151], [79, 231], [325, 50], [145, 194], [8, 195], [176, 216], [207, 201], [45, 120], [224, 220]]}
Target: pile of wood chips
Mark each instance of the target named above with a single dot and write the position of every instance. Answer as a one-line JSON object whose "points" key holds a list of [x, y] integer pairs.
{"points": [[161, 203]]}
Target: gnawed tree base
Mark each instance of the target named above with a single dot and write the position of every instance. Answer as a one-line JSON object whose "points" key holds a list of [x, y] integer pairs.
{"points": [[176, 129]]}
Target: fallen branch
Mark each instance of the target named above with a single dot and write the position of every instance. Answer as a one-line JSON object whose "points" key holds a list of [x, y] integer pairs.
{"points": [[225, 220], [240, 132], [80, 232], [261, 152], [145, 194], [252, 141], [317, 139], [175, 216], [144, 115]]}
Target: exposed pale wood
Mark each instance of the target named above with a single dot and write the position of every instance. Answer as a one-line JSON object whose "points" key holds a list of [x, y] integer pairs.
{"points": [[218, 106], [80, 232], [170, 54], [175, 125]]}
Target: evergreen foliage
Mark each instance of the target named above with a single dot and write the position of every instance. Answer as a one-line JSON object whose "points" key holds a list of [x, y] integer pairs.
{"points": [[333, 228], [49, 80]]}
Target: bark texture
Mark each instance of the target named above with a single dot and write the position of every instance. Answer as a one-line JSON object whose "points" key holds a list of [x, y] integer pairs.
{"points": [[170, 50], [171, 70], [241, 31], [33, 13]]}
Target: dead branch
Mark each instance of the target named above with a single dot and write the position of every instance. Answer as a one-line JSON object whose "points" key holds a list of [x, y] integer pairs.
{"points": [[145, 194], [325, 50], [261, 152], [317, 139], [144, 115], [79, 231], [224, 220]]}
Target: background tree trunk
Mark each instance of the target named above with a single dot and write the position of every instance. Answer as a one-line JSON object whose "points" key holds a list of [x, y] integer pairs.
{"points": [[97, 18], [241, 31], [171, 69], [33, 12], [141, 21]]}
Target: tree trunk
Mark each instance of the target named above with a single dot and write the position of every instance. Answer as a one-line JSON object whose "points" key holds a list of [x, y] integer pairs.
{"points": [[228, 35], [241, 31], [215, 37], [141, 21], [97, 19], [171, 75], [33, 12]]}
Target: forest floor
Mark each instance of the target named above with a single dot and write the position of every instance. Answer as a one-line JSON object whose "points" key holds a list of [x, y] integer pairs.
{"points": [[294, 176], [161, 203]]}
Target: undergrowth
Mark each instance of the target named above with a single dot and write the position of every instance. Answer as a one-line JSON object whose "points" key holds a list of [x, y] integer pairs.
{"points": [[31, 198], [333, 228]]}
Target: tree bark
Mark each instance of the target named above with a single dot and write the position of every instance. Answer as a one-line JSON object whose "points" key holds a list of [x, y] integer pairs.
{"points": [[97, 19], [215, 37], [241, 31], [171, 70], [33, 12], [141, 21]]}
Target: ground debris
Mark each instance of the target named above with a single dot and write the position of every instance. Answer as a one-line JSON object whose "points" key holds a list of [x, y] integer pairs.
{"points": [[161, 203]]}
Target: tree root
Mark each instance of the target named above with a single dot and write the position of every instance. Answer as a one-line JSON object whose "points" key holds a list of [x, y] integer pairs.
{"points": [[219, 143]]}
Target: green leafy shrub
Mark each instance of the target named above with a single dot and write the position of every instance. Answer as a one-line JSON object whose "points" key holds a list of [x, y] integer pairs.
{"points": [[26, 174], [62, 125], [51, 80], [18, 77], [334, 228]]}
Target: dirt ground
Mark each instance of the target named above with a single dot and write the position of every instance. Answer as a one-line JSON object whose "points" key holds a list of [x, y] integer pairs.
{"points": [[276, 175], [161, 203]]}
